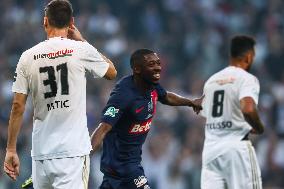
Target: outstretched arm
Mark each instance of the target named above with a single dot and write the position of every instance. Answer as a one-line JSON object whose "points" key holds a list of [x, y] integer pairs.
{"points": [[173, 99], [12, 163], [99, 135], [250, 113]]}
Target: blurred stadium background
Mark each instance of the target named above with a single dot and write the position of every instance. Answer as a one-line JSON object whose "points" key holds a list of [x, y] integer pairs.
{"points": [[191, 37]]}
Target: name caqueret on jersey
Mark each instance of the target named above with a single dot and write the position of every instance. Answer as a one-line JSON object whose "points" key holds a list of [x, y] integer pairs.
{"points": [[219, 125]]}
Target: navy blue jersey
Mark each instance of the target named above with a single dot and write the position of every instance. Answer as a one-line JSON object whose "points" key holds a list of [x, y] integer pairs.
{"points": [[130, 113]]}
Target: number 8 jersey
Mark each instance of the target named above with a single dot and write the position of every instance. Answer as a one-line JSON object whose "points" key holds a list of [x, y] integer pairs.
{"points": [[225, 122], [53, 74]]}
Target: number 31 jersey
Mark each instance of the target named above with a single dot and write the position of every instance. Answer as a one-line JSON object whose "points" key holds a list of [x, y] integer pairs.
{"points": [[223, 91], [53, 74]]}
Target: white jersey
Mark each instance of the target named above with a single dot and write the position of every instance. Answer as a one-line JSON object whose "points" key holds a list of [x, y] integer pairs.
{"points": [[53, 73], [225, 123]]}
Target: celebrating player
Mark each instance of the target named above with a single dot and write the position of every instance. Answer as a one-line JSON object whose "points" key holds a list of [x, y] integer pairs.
{"points": [[53, 73], [230, 108], [126, 121]]}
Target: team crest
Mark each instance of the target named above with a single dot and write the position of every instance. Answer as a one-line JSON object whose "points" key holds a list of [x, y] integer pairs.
{"points": [[140, 181], [111, 111]]}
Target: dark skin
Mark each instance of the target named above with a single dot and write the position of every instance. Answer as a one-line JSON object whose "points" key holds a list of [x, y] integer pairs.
{"points": [[146, 73], [248, 106]]}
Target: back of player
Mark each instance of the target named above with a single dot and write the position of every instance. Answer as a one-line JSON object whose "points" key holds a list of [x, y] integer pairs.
{"points": [[54, 71], [229, 159], [53, 74]]}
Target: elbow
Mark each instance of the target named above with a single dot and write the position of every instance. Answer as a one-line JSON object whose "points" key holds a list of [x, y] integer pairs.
{"points": [[248, 110], [111, 74], [18, 108]]}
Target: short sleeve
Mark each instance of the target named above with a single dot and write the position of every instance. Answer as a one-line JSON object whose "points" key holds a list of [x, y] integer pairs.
{"points": [[162, 93], [116, 105], [93, 61], [21, 84], [249, 88]]}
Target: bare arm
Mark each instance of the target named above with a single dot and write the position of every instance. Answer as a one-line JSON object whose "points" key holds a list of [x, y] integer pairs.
{"points": [[173, 99], [249, 110], [12, 163], [99, 135], [111, 72]]}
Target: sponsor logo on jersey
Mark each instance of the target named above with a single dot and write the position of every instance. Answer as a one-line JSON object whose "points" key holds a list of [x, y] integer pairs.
{"points": [[226, 81], [140, 181], [111, 111], [53, 55], [219, 125], [140, 128]]}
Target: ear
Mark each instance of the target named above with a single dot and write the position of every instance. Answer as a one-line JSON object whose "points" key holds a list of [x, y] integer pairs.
{"points": [[45, 22], [136, 70], [250, 56], [72, 22]]}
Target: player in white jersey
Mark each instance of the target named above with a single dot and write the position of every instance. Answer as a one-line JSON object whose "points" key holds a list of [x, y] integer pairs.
{"points": [[53, 74], [230, 108]]}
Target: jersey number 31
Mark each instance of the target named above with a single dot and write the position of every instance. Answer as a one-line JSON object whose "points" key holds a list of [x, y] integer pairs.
{"points": [[51, 80]]}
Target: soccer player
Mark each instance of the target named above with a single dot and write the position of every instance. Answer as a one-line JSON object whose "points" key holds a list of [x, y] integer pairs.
{"points": [[53, 74], [126, 121], [230, 108]]}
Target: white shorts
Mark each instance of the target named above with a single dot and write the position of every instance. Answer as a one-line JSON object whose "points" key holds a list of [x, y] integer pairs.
{"points": [[235, 169], [64, 173]]}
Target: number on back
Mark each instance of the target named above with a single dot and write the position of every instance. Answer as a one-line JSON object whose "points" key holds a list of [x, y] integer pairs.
{"points": [[218, 100], [51, 80]]}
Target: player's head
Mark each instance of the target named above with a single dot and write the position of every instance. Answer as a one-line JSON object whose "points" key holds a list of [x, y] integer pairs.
{"points": [[242, 48], [146, 65], [58, 14]]}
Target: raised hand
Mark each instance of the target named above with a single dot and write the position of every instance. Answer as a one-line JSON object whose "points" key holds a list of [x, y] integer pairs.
{"points": [[74, 34]]}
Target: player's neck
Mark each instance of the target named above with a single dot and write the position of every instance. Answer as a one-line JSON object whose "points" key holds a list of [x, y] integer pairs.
{"points": [[238, 63], [142, 85], [55, 32]]}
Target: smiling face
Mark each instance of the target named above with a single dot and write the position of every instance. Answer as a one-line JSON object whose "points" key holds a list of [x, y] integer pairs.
{"points": [[150, 69]]}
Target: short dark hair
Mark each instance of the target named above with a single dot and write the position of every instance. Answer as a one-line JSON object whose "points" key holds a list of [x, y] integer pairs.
{"points": [[138, 56], [240, 45], [59, 13]]}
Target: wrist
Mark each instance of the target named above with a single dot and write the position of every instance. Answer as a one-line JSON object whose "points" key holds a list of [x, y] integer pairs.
{"points": [[9, 149]]}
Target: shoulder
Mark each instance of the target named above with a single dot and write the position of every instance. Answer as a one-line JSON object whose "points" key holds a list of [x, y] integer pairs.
{"points": [[245, 76], [31, 52], [123, 89]]}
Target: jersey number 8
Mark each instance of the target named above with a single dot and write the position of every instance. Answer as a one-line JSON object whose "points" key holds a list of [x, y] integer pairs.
{"points": [[218, 100], [51, 81]]}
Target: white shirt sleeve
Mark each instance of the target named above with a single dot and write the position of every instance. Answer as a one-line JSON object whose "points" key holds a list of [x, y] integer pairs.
{"points": [[21, 84], [93, 61], [250, 88]]}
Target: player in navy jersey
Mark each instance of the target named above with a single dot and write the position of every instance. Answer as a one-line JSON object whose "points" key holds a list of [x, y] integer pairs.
{"points": [[126, 120]]}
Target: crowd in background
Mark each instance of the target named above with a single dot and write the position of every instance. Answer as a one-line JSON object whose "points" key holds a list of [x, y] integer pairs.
{"points": [[192, 39]]}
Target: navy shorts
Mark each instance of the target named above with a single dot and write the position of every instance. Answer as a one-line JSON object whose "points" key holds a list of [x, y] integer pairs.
{"points": [[137, 180]]}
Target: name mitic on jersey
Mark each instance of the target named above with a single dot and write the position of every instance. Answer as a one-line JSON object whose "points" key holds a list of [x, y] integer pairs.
{"points": [[219, 125], [140, 128], [58, 104], [53, 55]]}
